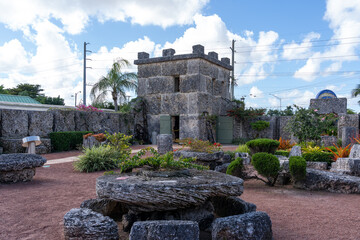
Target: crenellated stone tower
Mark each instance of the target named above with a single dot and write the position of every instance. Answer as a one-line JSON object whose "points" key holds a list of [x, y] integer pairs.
{"points": [[181, 89]]}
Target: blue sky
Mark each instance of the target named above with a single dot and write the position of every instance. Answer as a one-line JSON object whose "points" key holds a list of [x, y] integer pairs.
{"points": [[291, 49]]}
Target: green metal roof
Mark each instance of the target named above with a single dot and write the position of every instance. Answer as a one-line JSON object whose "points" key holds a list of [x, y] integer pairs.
{"points": [[17, 99]]}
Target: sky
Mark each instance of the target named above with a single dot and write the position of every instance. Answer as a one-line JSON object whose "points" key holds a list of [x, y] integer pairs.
{"points": [[286, 51]]}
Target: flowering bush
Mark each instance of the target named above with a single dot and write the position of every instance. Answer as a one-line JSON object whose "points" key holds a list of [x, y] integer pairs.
{"points": [[308, 124], [89, 108]]}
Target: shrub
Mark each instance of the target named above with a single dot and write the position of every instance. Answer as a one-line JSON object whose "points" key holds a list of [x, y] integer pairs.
{"points": [[340, 152], [260, 125], [243, 148], [318, 157], [235, 168], [157, 161], [263, 145], [97, 158], [266, 165], [282, 153], [297, 166], [285, 144], [120, 142], [65, 141], [310, 149], [231, 154]]}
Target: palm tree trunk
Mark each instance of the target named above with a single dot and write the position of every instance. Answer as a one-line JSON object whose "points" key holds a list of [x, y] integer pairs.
{"points": [[114, 97]]}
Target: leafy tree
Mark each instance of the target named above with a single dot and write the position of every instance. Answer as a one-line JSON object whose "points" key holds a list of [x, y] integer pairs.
{"points": [[51, 100], [288, 111], [3, 90], [114, 82], [355, 92], [26, 89]]}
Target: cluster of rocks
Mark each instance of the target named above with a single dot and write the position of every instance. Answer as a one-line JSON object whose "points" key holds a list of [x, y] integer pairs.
{"points": [[19, 167], [186, 204]]}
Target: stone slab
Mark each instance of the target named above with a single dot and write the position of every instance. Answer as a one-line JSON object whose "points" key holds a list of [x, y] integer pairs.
{"points": [[317, 165], [355, 151], [85, 224], [165, 230], [40, 123], [164, 143], [253, 225], [19, 167], [349, 166], [19, 161], [23, 175], [14, 124], [329, 181], [162, 191], [295, 151], [329, 105]]}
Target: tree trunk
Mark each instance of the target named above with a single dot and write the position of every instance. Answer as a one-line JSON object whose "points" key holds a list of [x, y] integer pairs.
{"points": [[115, 102]]}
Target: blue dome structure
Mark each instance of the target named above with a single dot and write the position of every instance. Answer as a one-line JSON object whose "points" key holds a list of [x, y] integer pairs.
{"points": [[325, 94]]}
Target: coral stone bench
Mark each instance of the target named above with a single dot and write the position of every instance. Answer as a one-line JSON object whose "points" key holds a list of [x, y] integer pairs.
{"points": [[19, 167]]}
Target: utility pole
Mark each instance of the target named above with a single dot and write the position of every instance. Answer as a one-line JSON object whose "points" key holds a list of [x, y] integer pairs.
{"points": [[84, 79], [233, 70], [277, 98]]}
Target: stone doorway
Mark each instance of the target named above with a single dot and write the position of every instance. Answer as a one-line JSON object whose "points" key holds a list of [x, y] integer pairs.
{"points": [[175, 127]]}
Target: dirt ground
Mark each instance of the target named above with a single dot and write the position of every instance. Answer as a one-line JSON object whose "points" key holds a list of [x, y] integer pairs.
{"points": [[35, 210]]}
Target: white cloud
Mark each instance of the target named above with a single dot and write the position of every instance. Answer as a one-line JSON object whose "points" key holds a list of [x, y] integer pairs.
{"points": [[344, 20], [256, 92], [74, 15], [302, 50]]}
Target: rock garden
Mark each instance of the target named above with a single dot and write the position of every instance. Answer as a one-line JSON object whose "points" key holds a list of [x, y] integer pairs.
{"points": [[195, 191]]}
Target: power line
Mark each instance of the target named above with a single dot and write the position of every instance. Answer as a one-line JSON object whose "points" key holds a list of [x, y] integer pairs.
{"points": [[297, 59], [287, 74]]}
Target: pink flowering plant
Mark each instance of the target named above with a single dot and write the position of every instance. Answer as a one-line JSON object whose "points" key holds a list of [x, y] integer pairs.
{"points": [[89, 108]]}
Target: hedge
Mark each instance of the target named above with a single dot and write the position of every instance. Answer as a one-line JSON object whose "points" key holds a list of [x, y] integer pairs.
{"points": [[263, 145], [65, 141], [297, 166], [319, 157]]}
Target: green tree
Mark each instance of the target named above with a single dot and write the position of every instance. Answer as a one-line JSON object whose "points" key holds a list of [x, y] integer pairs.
{"points": [[355, 92], [51, 100], [288, 111], [3, 90], [26, 89], [115, 82]]}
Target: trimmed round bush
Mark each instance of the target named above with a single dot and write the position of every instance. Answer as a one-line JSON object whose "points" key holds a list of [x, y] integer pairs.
{"points": [[297, 166], [263, 145], [266, 164], [260, 125], [235, 167]]}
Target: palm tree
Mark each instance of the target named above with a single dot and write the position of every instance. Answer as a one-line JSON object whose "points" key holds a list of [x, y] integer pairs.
{"points": [[115, 82], [355, 92]]}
